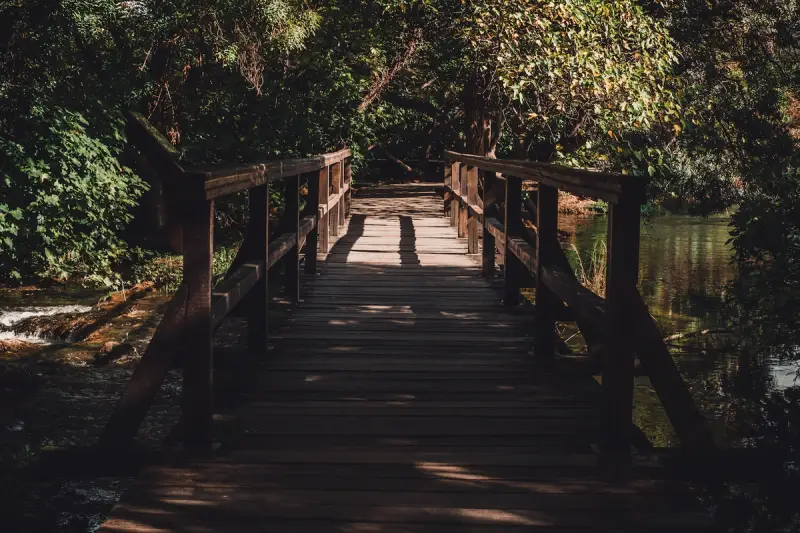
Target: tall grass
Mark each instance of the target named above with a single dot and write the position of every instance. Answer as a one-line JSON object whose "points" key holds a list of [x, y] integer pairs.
{"points": [[593, 275]]}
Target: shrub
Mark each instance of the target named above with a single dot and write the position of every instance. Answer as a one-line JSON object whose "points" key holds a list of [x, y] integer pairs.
{"points": [[64, 197]]}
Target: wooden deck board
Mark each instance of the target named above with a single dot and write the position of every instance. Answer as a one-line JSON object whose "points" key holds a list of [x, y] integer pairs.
{"points": [[402, 397]]}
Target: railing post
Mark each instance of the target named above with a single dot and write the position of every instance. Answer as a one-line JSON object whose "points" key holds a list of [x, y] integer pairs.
{"points": [[472, 222], [455, 184], [348, 178], [618, 366], [514, 270], [291, 224], [463, 212], [547, 302], [342, 214], [312, 208], [258, 237], [323, 215], [489, 209], [336, 187], [448, 184], [198, 364]]}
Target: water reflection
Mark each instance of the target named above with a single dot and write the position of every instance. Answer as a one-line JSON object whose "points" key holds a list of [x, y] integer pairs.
{"points": [[685, 270]]}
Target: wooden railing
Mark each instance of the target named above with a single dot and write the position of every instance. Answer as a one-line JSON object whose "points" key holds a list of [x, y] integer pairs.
{"points": [[197, 308], [485, 195]]}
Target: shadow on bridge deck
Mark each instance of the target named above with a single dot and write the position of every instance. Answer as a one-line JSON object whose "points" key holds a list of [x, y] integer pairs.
{"points": [[402, 396]]}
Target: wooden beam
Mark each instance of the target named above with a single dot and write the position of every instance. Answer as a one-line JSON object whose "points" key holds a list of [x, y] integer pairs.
{"points": [[307, 225], [279, 247], [312, 210], [463, 213], [335, 188], [148, 376], [547, 303], [348, 194], [227, 295], [689, 423], [455, 176], [514, 270], [488, 253], [223, 181], [608, 186], [496, 229], [258, 242], [618, 361], [154, 146], [472, 222], [524, 252], [291, 223], [585, 304], [323, 223], [448, 184], [197, 402]]}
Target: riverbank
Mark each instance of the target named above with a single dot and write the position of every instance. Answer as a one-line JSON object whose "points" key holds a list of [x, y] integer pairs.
{"points": [[60, 376]]}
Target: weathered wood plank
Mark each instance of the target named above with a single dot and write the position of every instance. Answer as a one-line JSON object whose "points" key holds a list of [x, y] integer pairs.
{"points": [[401, 396], [230, 292], [146, 380], [547, 303], [197, 399]]}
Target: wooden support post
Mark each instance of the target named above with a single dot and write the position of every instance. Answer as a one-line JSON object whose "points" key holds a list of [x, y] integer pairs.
{"points": [[258, 239], [198, 363], [514, 268], [312, 208], [547, 303], [463, 212], [348, 195], [342, 215], [472, 222], [489, 210], [291, 224], [455, 176], [618, 365], [336, 187], [323, 215], [448, 183]]}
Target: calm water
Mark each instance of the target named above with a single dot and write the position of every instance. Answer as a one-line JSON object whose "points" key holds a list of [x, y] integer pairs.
{"points": [[685, 268]]}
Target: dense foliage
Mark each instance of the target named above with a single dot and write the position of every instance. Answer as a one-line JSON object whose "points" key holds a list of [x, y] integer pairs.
{"points": [[701, 97]]}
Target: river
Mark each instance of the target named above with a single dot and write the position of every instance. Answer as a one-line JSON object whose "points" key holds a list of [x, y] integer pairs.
{"points": [[685, 271]]}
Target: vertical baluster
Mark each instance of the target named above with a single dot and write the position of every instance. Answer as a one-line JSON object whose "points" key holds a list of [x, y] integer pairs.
{"points": [[455, 176], [340, 205], [547, 303], [323, 215], [198, 364], [448, 183], [618, 366], [514, 270], [258, 238], [336, 187], [463, 213], [489, 210], [348, 178], [472, 223], [291, 224], [312, 208]]}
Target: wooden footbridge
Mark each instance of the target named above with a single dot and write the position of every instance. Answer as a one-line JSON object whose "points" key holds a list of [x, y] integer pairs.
{"points": [[410, 389]]}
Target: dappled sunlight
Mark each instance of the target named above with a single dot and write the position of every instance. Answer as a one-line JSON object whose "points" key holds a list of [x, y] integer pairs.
{"points": [[398, 398]]}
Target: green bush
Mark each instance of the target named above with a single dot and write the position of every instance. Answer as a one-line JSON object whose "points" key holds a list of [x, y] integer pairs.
{"points": [[166, 270], [64, 197]]}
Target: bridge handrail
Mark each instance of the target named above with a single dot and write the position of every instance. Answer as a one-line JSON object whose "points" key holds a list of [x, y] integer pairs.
{"points": [[617, 327], [604, 185], [197, 308]]}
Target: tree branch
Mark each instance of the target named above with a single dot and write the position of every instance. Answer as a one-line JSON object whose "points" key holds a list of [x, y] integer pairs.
{"points": [[400, 62]]}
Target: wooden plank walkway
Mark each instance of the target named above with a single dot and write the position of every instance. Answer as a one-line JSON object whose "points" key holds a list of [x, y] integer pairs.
{"points": [[402, 397]]}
